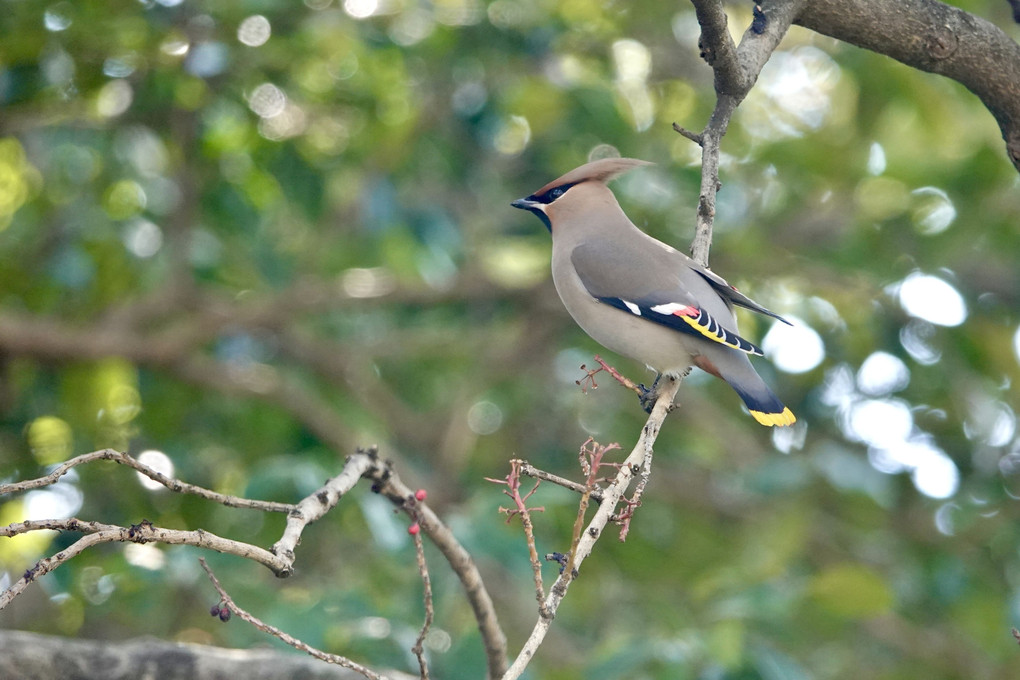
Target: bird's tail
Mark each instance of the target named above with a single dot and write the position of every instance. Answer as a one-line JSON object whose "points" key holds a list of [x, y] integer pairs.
{"points": [[769, 411], [737, 371]]}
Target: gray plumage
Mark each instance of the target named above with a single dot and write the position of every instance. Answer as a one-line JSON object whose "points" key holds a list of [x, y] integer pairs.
{"points": [[640, 297]]}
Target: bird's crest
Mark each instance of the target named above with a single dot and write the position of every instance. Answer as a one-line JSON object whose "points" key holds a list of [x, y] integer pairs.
{"points": [[601, 170]]}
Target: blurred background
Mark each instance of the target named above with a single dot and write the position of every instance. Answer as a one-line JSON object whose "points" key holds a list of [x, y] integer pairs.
{"points": [[240, 239]]}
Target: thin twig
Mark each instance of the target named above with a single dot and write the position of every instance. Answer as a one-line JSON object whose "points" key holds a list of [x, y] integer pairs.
{"points": [[169, 482], [335, 659], [695, 137], [529, 470], [617, 376], [590, 456], [513, 483], [635, 500], [419, 645], [590, 373], [536, 564]]}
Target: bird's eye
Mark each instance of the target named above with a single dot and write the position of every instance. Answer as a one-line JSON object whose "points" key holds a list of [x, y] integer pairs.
{"points": [[551, 195]]}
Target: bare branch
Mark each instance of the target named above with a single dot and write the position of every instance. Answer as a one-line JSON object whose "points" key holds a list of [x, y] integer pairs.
{"points": [[611, 498], [772, 21], [169, 482], [590, 456], [419, 645], [530, 470], [145, 532], [513, 490], [695, 137], [362, 464], [624, 518], [42, 657], [387, 482], [736, 71], [717, 48], [616, 375], [336, 659], [317, 504]]}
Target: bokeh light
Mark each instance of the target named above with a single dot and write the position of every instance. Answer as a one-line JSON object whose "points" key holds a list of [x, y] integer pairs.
{"points": [[59, 501], [794, 94], [932, 299], [254, 31], [882, 374], [484, 417], [933, 211], [793, 349], [158, 461], [57, 17], [50, 438], [361, 9], [267, 100], [513, 136]]}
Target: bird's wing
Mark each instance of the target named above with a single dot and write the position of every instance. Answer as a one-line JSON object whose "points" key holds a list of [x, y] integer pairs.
{"points": [[731, 294], [655, 291]]}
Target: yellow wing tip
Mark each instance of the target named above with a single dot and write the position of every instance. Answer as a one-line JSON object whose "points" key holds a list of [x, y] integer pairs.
{"points": [[774, 419]]}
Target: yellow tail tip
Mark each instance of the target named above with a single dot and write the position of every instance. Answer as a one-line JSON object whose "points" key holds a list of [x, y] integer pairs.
{"points": [[773, 419]]}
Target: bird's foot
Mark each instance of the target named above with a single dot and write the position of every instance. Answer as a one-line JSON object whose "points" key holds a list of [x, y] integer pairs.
{"points": [[647, 396]]}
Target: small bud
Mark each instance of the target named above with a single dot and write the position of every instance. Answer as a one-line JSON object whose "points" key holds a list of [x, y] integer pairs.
{"points": [[224, 615], [420, 494], [214, 610], [413, 529]]}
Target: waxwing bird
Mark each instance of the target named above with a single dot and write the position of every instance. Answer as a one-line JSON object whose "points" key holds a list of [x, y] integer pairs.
{"points": [[638, 296]]}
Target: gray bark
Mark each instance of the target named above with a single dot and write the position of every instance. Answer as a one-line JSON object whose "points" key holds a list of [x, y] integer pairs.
{"points": [[29, 656]]}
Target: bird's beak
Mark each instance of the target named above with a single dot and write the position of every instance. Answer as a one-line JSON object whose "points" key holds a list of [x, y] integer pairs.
{"points": [[536, 207], [527, 204]]}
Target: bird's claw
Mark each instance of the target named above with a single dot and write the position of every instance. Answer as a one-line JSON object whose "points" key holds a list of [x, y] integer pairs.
{"points": [[647, 397]]}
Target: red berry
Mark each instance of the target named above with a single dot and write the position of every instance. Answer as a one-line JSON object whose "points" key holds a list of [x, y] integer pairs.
{"points": [[413, 529], [224, 615], [420, 494]]}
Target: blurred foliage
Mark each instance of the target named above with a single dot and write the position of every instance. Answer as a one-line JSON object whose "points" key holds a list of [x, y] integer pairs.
{"points": [[166, 167]]}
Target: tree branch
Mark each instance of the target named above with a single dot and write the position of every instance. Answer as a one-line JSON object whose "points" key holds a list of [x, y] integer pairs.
{"points": [[529, 470], [388, 484], [174, 485], [736, 71], [46, 657], [611, 496], [419, 644], [145, 532], [362, 464], [336, 659], [717, 48]]}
